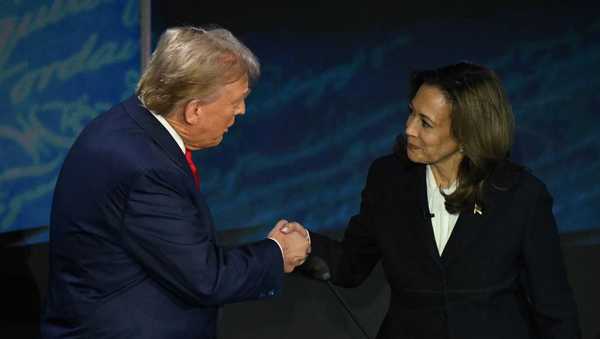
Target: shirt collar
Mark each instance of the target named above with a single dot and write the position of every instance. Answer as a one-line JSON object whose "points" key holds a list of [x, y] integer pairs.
{"points": [[168, 127]]}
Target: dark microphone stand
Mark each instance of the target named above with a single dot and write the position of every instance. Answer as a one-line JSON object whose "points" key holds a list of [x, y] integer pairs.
{"points": [[318, 269]]}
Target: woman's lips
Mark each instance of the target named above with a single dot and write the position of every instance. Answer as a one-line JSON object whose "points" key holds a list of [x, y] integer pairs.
{"points": [[411, 146]]}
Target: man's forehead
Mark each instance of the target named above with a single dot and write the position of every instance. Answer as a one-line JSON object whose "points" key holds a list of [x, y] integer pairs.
{"points": [[240, 87], [240, 84]]}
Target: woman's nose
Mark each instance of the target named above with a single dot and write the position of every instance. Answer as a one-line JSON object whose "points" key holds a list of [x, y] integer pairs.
{"points": [[410, 128]]}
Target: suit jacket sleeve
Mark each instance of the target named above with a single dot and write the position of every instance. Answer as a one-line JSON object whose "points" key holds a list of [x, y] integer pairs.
{"points": [[352, 260], [168, 235], [554, 308]]}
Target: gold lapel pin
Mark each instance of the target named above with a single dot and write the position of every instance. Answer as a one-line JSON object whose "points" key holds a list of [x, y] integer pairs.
{"points": [[477, 210]]}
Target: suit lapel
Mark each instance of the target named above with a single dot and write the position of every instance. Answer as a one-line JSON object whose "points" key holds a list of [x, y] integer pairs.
{"points": [[157, 132], [165, 141], [205, 214]]}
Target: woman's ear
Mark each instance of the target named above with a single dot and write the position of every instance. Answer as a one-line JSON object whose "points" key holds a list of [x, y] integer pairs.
{"points": [[192, 112]]}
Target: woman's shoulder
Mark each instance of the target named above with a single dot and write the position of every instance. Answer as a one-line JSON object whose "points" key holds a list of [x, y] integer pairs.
{"points": [[393, 163], [509, 176]]}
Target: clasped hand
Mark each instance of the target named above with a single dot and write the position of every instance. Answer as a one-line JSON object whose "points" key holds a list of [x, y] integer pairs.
{"points": [[294, 241]]}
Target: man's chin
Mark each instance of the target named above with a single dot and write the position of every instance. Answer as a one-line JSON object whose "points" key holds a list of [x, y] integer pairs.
{"points": [[215, 142], [208, 144]]}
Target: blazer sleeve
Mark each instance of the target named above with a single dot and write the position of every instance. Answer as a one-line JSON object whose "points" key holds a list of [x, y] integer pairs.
{"points": [[351, 260], [554, 308], [165, 232]]}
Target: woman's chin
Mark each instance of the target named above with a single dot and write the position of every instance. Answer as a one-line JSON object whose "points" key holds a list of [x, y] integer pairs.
{"points": [[413, 156]]}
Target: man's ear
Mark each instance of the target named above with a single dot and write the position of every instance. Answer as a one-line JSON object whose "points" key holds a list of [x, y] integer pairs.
{"points": [[192, 111]]}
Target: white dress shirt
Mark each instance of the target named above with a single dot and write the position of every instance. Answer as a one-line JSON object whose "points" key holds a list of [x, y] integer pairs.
{"points": [[442, 221]]}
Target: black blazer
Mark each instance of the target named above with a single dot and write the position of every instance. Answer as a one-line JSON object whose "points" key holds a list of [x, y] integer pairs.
{"points": [[501, 274]]}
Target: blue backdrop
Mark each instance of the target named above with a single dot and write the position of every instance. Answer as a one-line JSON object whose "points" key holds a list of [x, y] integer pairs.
{"points": [[329, 102], [61, 62]]}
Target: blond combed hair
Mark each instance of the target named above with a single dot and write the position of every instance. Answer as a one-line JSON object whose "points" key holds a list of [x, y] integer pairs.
{"points": [[193, 63]]}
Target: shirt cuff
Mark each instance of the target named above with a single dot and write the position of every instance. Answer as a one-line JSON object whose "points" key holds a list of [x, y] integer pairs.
{"points": [[280, 247]]}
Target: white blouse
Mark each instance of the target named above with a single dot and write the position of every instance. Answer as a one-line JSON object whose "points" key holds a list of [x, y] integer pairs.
{"points": [[442, 221]]}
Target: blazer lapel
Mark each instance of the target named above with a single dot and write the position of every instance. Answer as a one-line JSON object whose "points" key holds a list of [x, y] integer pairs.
{"points": [[468, 227], [473, 221], [422, 225]]}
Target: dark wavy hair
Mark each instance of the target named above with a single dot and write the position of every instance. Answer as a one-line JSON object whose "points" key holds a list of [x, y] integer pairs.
{"points": [[482, 122]]}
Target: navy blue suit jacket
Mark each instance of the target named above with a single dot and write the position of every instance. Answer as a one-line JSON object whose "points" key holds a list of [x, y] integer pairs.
{"points": [[132, 243]]}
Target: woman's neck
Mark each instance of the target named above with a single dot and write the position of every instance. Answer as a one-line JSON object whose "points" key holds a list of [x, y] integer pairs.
{"points": [[446, 172]]}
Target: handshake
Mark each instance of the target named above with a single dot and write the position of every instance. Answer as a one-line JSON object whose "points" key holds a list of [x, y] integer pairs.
{"points": [[294, 241]]}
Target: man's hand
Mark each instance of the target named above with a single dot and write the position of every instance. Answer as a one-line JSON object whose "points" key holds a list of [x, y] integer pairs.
{"points": [[295, 245], [294, 227]]}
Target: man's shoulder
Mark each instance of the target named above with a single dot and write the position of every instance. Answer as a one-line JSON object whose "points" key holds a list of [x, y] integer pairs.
{"points": [[105, 125], [114, 141]]}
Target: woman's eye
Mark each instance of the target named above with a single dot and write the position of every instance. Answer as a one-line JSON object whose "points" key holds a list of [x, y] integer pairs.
{"points": [[425, 124]]}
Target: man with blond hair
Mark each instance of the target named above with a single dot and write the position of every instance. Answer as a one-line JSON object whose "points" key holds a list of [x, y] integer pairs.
{"points": [[133, 252]]}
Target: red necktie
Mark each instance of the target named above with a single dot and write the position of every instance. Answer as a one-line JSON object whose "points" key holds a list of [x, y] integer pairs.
{"points": [[193, 168]]}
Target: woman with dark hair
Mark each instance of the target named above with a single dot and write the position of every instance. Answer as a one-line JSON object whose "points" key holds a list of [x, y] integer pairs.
{"points": [[466, 237]]}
